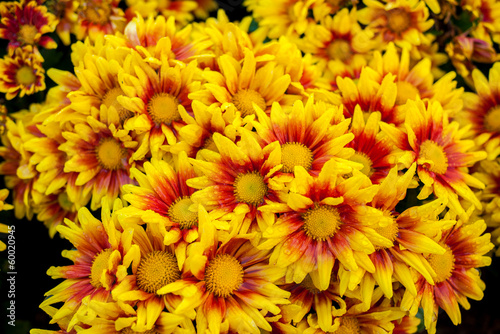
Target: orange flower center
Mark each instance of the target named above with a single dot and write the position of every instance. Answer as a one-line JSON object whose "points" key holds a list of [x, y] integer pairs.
{"points": [[295, 154], [27, 33], [224, 275], [244, 98], [156, 270], [339, 49], [25, 76], [406, 91], [398, 20], [321, 222], [129, 330], [250, 188], [97, 12], [492, 120], [363, 159], [388, 230], [443, 264], [348, 326], [99, 265], [163, 108], [110, 100], [110, 154], [179, 212], [434, 157]]}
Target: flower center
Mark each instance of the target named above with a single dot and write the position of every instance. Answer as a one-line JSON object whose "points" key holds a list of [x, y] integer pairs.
{"points": [[97, 12], [27, 33], [443, 264], [64, 201], [321, 222], [348, 326], [179, 213], [163, 109], [406, 91], [434, 153], [25, 76], [295, 154], [99, 265], [339, 49], [398, 20], [156, 270], [110, 154], [307, 283], [363, 159], [110, 100], [243, 99], [129, 330], [492, 120], [389, 231], [250, 188], [224, 275]]}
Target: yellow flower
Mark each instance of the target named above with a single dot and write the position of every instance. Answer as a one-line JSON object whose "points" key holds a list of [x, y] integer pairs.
{"points": [[178, 9], [403, 22], [22, 73]]}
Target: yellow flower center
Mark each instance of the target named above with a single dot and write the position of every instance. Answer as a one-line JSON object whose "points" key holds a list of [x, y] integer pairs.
{"points": [[179, 212], [250, 188], [321, 222], [64, 202], [97, 12], [363, 159], [443, 264], [243, 99], [224, 275], [129, 330], [295, 154], [389, 231], [339, 49], [348, 326], [398, 20], [163, 108], [110, 100], [110, 154], [431, 151], [27, 33], [25, 76], [307, 283], [406, 91], [99, 265], [492, 119], [156, 270]]}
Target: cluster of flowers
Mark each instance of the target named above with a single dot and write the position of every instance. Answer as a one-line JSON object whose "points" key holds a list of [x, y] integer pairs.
{"points": [[317, 174]]}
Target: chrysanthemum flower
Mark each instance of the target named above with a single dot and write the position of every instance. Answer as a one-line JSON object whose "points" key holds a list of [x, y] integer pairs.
{"points": [[309, 135], [179, 9], [441, 154], [235, 283], [327, 220], [457, 275], [98, 264], [96, 18], [379, 316], [236, 180], [403, 22], [26, 23], [22, 73], [158, 101], [372, 93], [64, 11], [488, 25], [158, 38], [338, 38], [154, 266], [101, 155], [482, 111], [243, 84], [54, 209], [282, 18]]}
